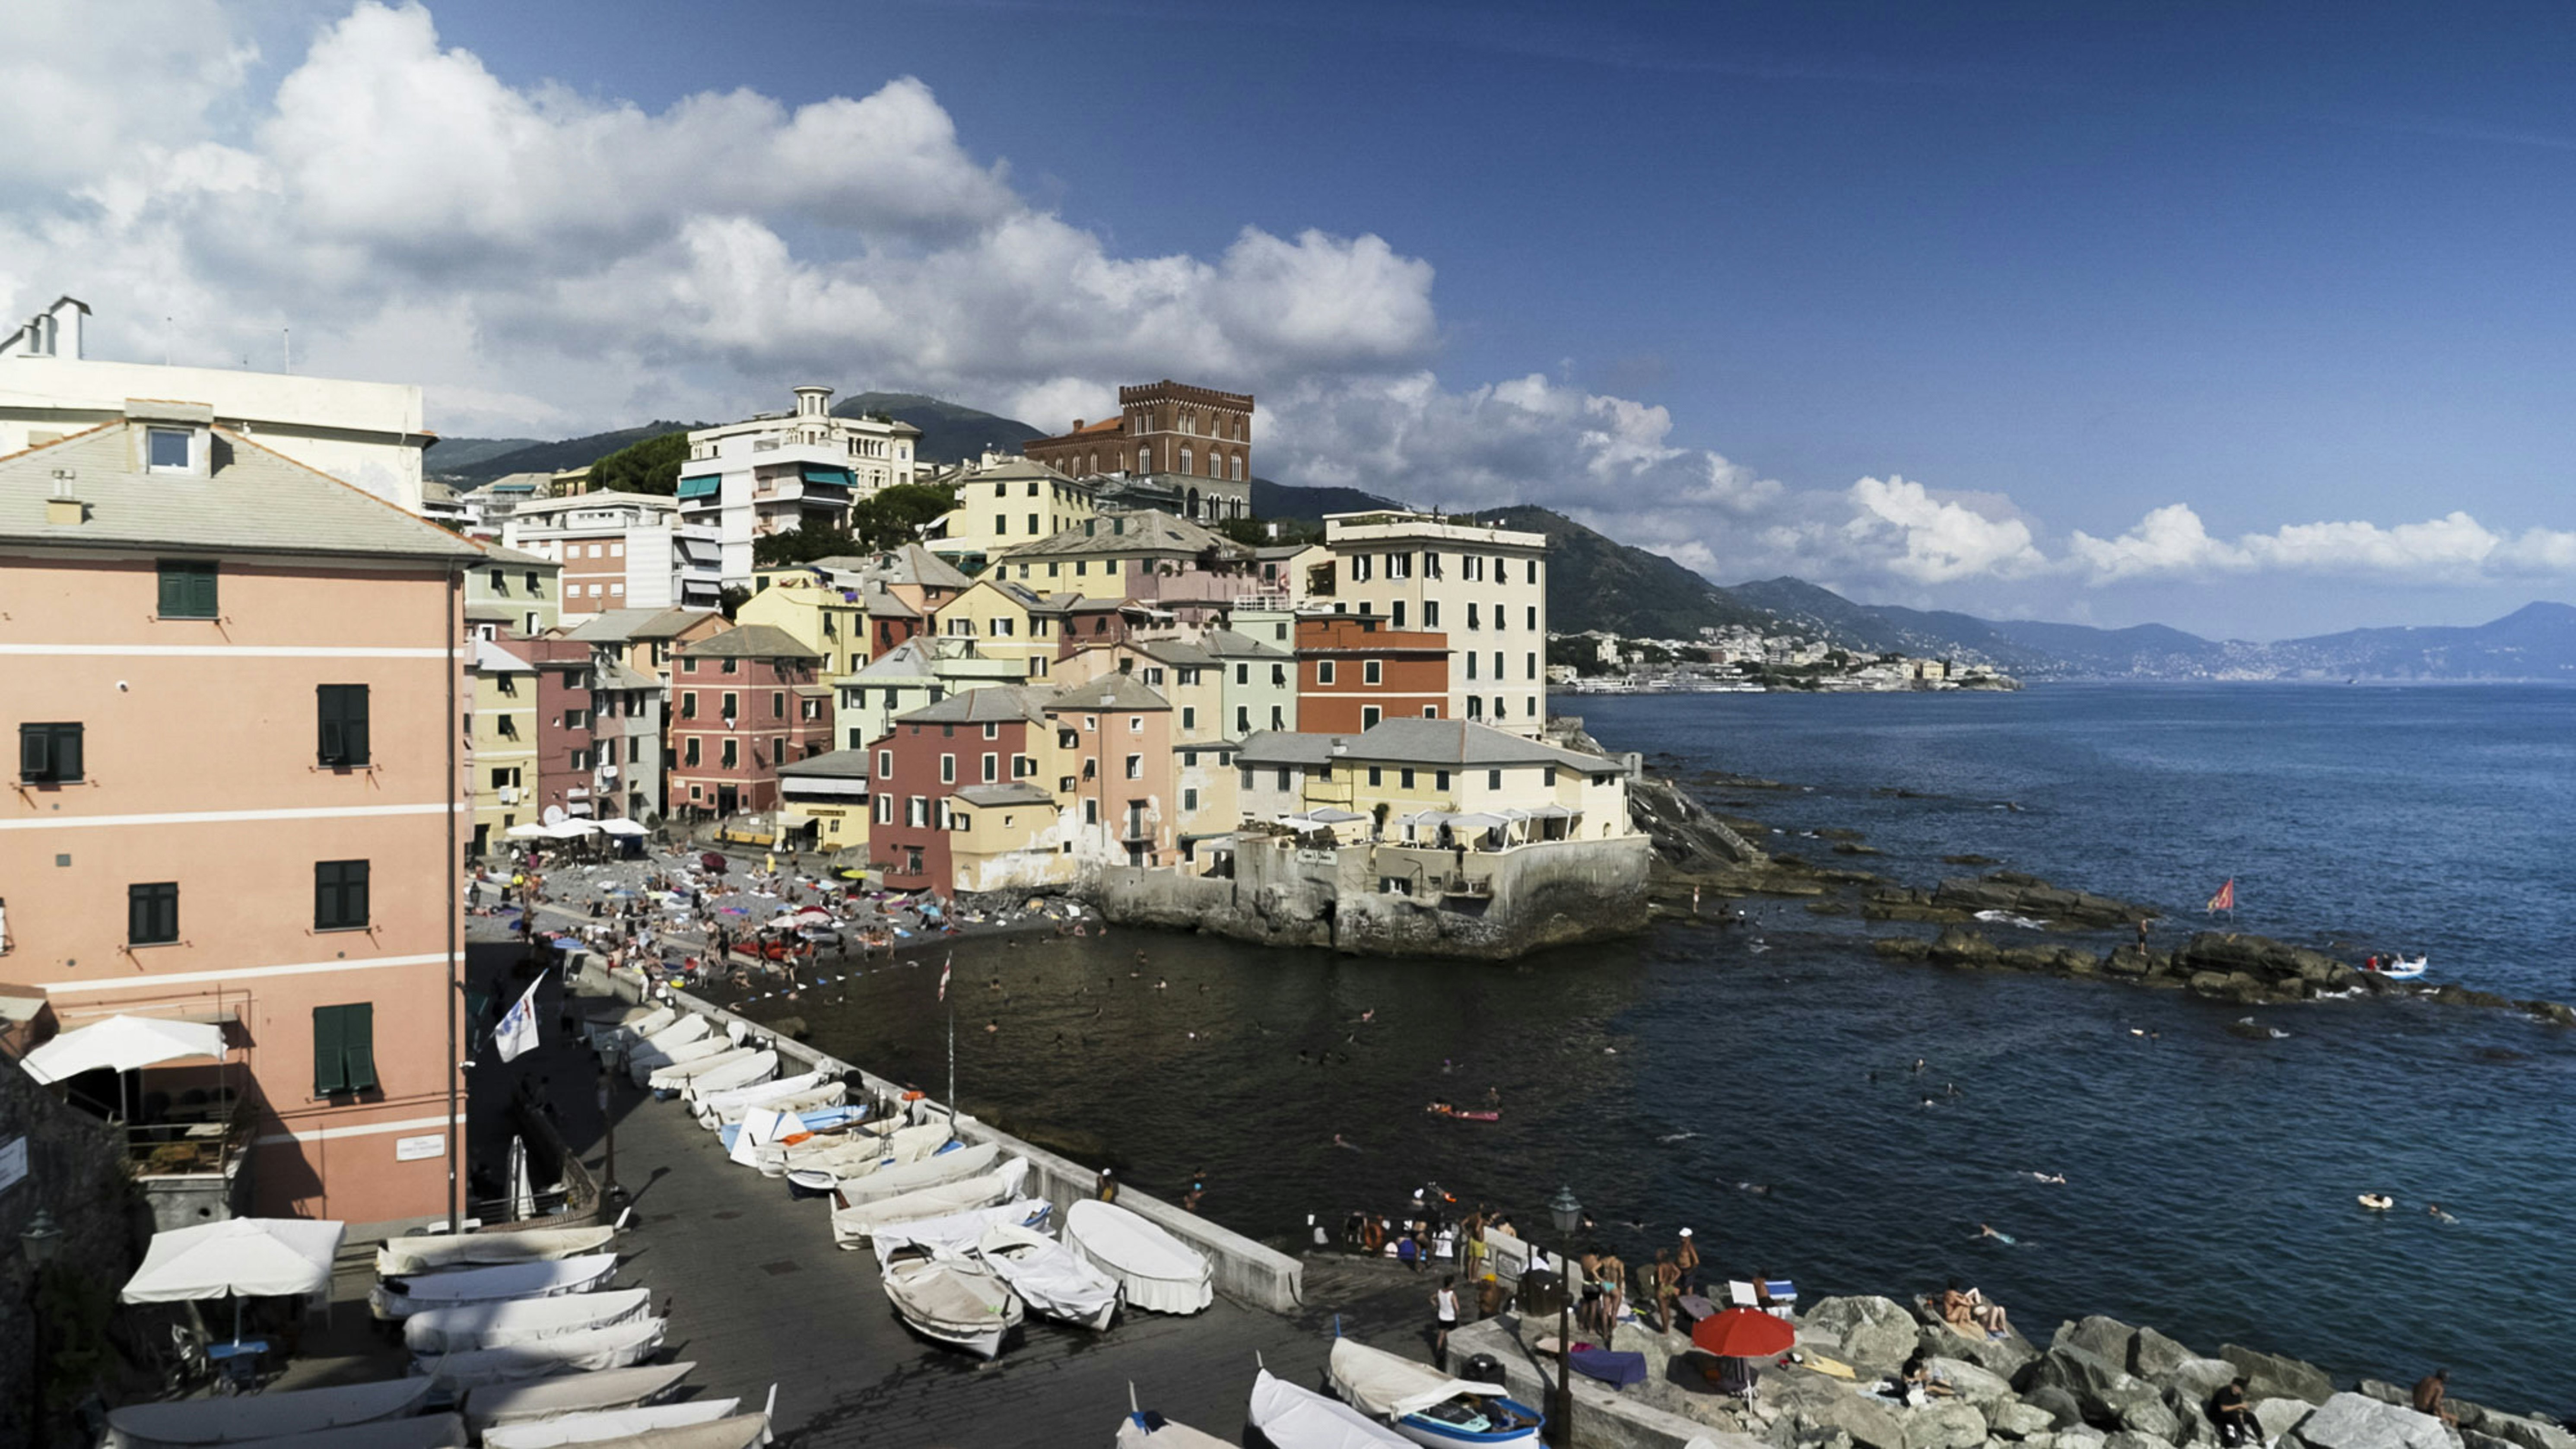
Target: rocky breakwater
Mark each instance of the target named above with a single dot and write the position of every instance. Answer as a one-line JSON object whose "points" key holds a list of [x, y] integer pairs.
{"points": [[2099, 1384], [2008, 893]]}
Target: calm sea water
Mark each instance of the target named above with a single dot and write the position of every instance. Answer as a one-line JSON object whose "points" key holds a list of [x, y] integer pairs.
{"points": [[2210, 1178]]}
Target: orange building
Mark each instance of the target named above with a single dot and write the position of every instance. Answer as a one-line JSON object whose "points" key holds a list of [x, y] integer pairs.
{"points": [[1353, 670], [235, 684]]}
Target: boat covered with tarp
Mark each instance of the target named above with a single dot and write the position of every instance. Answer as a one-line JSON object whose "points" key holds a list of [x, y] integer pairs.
{"points": [[428, 1431], [619, 1345], [1155, 1270], [1425, 1405], [404, 1296], [465, 1326], [956, 1301], [591, 1393], [854, 1225], [1047, 1275], [262, 1416], [785, 1094], [957, 1234], [929, 1171], [593, 1427], [429, 1252]]}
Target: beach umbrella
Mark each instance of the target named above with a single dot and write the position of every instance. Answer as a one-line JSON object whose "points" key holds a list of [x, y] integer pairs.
{"points": [[237, 1258], [122, 1044], [1743, 1333]]}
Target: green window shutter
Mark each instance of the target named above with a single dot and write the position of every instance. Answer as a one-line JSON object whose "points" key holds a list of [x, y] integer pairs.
{"points": [[353, 721], [359, 1045], [340, 712], [353, 892], [174, 591], [326, 894], [138, 914], [329, 1075], [35, 752], [67, 752], [201, 590]]}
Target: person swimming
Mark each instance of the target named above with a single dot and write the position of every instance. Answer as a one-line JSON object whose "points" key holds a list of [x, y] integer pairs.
{"points": [[1987, 1230], [2435, 1210]]}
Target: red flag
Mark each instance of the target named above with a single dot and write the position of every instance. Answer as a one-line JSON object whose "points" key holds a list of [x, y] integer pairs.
{"points": [[943, 974], [2225, 900]]}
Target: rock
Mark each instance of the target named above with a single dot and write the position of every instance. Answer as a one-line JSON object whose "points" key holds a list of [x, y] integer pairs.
{"points": [[2154, 1356], [2200, 1377], [1902, 948], [2062, 1408], [2090, 1377], [2350, 1421], [1971, 1382], [2383, 1391], [2192, 1429], [1870, 1423], [2143, 1411], [1877, 1334], [2079, 1436], [1960, 946], [2132, 1439], [2107, 1337], [2015, 1419], [2526, 1432], [2280, 1416], [2270, 1376], [1945, 1425], [2005, 1355]]}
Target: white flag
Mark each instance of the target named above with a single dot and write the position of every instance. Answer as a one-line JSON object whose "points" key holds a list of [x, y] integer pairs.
{"points": [[517, 1031], [944, 968]]}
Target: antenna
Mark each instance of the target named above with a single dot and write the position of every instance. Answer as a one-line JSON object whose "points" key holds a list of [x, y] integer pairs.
{"points": [[286, 344]]}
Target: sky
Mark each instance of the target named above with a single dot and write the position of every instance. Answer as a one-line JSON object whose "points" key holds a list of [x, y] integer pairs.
{"points": [[2254, 320]]}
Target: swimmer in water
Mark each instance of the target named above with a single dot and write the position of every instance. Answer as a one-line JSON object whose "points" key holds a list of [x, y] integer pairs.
{"points": [[2378, 1202], [1918, 1064], [2434, 1209], [1986, 1230], [2059, 1179], [1340, 1141], [1369, 1015]]}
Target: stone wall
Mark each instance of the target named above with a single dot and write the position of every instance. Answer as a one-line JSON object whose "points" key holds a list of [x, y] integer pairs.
{"points": [[75, 1171], [1472, 905]]}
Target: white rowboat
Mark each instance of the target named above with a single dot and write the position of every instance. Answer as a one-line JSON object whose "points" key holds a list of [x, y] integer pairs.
{"points": [[572, 1394], [469, 1326], [405, 1296], [429, 1252]]}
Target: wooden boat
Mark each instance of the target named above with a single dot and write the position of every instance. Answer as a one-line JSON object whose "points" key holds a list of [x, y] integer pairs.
{"points": [[2398, 968], [675, 1075], [1155, 1271], [428, 1431], [554, 1398], [817, 1120], [643, 1065], [956, 1301], [469, 1326], [1144, 1429], [931, 1171], [1425, 1405], [760, 1067], [429, 1252], [784, 1094], [264, 1416], [591, 1428], [405, 1296], [852, 1226], [1047, 1275], [742, 1431], [1294, 1418], [822, 1165], [620, 1345]]}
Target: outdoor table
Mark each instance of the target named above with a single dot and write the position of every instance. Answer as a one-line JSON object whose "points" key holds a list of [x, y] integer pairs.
{"points": [[237, 1362]]}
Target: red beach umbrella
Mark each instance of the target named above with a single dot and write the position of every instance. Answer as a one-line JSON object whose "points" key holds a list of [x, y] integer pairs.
{"points": [[1743, 1333]]}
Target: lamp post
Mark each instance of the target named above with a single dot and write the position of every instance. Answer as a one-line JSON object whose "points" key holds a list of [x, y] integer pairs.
{"points": [[1566, 1211], [38, 1240]]}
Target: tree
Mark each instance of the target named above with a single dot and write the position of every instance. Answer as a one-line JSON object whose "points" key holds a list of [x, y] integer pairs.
{"points": [[651, 466], [803, 545], [896, 515], [1255, 532]]}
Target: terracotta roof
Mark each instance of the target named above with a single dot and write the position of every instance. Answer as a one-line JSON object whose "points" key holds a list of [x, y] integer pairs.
{"points": [[750, 641]]}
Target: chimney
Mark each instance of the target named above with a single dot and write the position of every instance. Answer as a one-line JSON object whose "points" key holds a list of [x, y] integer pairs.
{"points": [[1077, 425], [64, 509]]}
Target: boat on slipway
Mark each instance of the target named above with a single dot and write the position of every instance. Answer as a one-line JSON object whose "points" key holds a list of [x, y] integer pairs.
{"points": [[568, 1394], [468, 1326], [264, 1416], [1427, 1406], [1049, 1276], [854, 1225], [952, 1165], [401, 1297], [1295, 1418], [610, 1424], [1154, 1270], [590, 1350], [784, 1094], [430, 1252], [960, 1302]]}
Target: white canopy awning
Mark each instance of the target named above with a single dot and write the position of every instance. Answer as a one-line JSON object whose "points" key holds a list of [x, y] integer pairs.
{"points": [[245, 1257], [623, 827], [529, 831], [122, 1044], [571, 829]]}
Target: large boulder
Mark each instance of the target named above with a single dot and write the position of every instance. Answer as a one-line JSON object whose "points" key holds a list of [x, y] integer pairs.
{"points": [[2141, 1409], [2107, 1337], [1877, 1335], [2350, 1421], [2200, 1377], [2192, 1429], [2016, 1419], [2062, 1408], [2090, 1377], [2523, 1432], [2270, 1376], [2280, 1416], [2005, 1355], [1975, 1384], [2132, 1439], [2154, 1356], [1872, 1423], [2384, 1391], [1946, 1425]]}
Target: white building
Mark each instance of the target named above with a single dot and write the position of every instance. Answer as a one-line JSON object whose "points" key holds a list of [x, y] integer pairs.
{"points": [[781, 471], [620, 551], [1483, 586], [364, 433]]}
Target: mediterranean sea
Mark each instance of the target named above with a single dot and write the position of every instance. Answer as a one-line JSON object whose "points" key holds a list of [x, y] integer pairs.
{"points": [[2210, 1177]]}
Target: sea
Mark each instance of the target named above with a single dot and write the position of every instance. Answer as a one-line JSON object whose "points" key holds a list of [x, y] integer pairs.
{"points": [[1758, 1083]]}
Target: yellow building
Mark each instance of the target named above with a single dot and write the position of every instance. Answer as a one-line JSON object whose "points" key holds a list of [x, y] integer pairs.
{"points": [[504, 743], [1006, 621], [823, 802], [1006, 503], [1436, 782], [814, 614], [1121, 555]]}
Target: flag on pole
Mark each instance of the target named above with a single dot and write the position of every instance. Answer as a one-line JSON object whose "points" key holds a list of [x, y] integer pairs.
{"points": [[517, 1031], [2225, 900], [943, 974]]}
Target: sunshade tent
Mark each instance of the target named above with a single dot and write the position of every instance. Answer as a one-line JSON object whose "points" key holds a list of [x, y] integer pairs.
{"points": [[529, 831], [1743, 1333], [623, 827], [241, 1257], [122, 1044]]}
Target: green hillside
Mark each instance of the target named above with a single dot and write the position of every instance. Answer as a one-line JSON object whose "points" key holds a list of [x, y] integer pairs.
{"points": [[950, 432]]}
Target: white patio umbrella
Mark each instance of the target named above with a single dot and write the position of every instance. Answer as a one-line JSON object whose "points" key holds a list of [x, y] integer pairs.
{"points": [[237, 1258], [122, 1044]]}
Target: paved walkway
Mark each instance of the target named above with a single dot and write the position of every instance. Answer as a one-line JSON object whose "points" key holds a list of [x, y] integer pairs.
{"points": [[757, 1293]]}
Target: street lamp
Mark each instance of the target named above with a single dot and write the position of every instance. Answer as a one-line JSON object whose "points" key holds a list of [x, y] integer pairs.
{"points": [[1566, 1211], [39, 1240]]}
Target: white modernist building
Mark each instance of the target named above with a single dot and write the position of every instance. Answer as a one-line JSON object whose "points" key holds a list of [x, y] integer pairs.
{"points": [[780, 471], [364, 433], [1483, 586], [620, 551]]}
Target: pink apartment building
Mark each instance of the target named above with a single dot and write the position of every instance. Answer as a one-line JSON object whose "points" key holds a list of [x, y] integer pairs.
{"points": [[235, 684]]}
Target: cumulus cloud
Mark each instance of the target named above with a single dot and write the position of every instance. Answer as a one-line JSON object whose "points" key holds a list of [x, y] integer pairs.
{"points": [[2172, 542]]}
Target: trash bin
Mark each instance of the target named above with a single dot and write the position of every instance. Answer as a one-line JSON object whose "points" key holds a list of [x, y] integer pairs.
{"points": [[1484, 1368], [1541, 1292]]}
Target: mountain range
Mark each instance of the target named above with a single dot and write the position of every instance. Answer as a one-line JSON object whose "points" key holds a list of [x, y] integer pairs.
{"points": [[1597, 583]]}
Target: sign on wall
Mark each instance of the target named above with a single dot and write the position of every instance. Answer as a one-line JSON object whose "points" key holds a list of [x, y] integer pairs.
{"points": [[13, 1162], [413, 1149]]}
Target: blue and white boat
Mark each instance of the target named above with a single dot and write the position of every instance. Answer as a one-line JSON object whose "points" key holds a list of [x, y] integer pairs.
{"points": [[821, 1119], [1427, 1406]]}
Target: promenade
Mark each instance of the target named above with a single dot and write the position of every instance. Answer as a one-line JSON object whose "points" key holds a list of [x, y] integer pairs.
{"points": [[757, 1293]]}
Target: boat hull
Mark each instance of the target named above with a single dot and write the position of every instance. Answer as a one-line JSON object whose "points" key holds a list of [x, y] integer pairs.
{"points": [[1423, 1430]]}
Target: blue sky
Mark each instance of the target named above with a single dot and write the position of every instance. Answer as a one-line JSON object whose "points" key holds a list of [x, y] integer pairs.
{"points": [[2250, 319]]}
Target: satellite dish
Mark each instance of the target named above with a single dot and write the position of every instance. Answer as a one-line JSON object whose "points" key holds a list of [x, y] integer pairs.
{"points": [[554, 815]]}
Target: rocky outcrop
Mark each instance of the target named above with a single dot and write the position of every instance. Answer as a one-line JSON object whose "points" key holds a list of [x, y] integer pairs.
{"points": [[2352, 1421], [1875, 1335], [2030, 897], [2270, 1376], [1687, 836]]}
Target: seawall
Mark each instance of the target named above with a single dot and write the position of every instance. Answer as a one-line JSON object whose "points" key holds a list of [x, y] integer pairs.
{"points": [[1245, 1270]]}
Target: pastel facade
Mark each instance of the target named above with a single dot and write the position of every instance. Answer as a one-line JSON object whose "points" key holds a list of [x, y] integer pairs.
{"points": [[1114, 745], [245, 797], [510, 592], [1354, 670], [1006, 503], [502, 735], [1483, 586], [779, 472], [1006, 621], [1144, 555], [1444, 783], [936, 771], [914, 675], [743, 703], [620, 551]]}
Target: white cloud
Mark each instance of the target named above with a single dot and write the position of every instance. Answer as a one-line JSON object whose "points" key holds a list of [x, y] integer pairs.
{"points": [[2171, 542], [1938, 540]]}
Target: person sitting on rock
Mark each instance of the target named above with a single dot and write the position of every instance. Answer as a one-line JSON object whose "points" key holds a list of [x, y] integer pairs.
{"points": [[2234, 1418], [2428, 1395]]}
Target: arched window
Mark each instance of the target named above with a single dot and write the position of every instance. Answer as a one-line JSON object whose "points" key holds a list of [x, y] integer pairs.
{"points": [[1238, 467], [1185, 460]]}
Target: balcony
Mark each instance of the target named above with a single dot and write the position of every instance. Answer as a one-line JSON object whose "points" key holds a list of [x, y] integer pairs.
{"points": [[189, 1165]]}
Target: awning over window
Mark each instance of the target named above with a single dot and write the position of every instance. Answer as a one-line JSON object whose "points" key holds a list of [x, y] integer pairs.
{"points": [[700, 487], [820, 473]]}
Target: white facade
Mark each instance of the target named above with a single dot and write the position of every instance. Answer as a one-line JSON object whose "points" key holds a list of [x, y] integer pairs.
{"points": [[1485, 587], [368, 434], [782, 471], [620, 551]]}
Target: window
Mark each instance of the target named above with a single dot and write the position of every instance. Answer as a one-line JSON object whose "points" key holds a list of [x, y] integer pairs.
{"points": [[1493, 779], [689, 705], [947, 769], [1369, 716], [1090, 812], [992, 767], [1405, 779], [165, 450], [885, 809], [1440, 779], [916, 813], [340, 895], [1431, 613], [732, 666], [732, 753], [1243, 674], [778, 704], [1243, 719], [731, 705], [1396, 613], [1533, 577], [1372, 672], [1530, 664], [1471, 617], [49, 754], [580, 760], [1533, 618], [1323, 671], [152, 914], [1190, 800], [1023, 767], [1278, 717], [689, 751], [1245, 782], [574, 719], [1135, 767], [1502, 618], [342, 711], [1377, 775], [344, 1049], [1499, 672], [187, 589], [1360, 566], [1278, 674], [1189, 718]]}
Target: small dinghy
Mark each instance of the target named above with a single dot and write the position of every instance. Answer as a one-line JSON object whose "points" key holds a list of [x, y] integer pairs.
{"points": [[1294, 1418], [609, 1424], [628, 1035], [1047, 1275], [715, 1109], [2398, 968], [405, 1296], [760, 1067], [1156, 1271], [670, 1079], [429, 1431], [957, 1234], [1145, 1429], [469, 1326], [1424, 1404], [956, 1301], [931, 1171], [643, 1065], [620, 1345], [565, 1394], [430, 1252], [816, 1120], [264, 1416], [742, 1431], [854, 1226]]}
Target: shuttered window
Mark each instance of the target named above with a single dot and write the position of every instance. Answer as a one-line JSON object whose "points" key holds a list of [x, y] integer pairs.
{"points": [[49, 754], [342, 712], [187, 589], [344, 1049], [339, 895], [152, 913]]}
